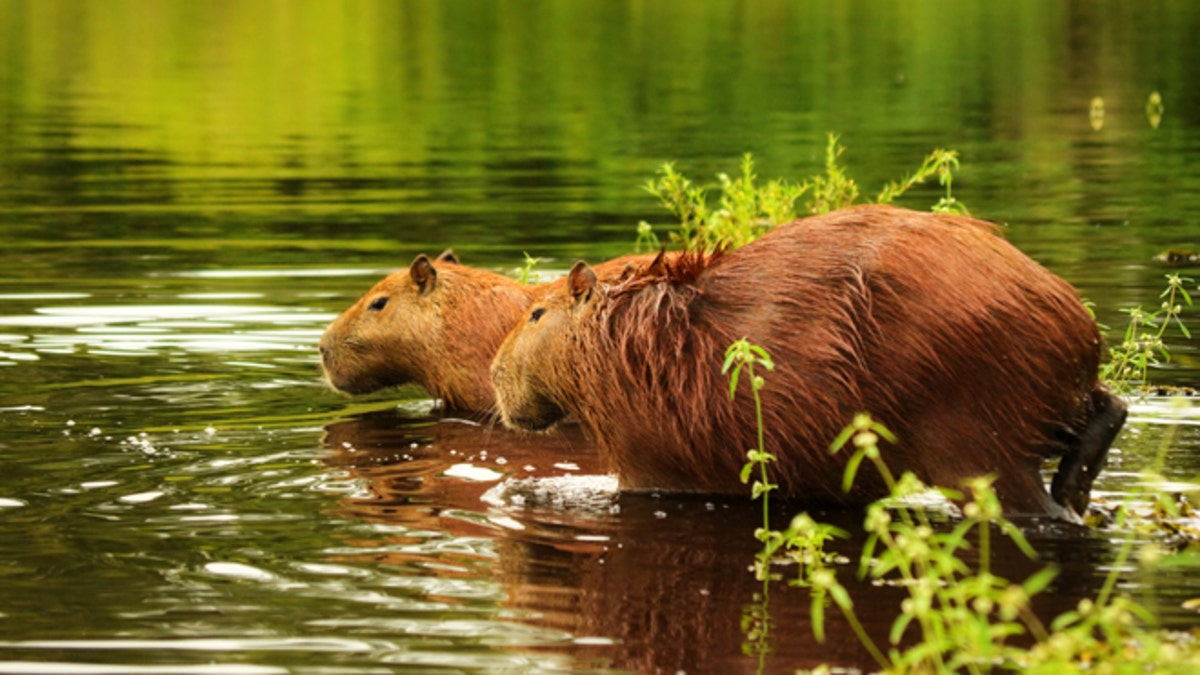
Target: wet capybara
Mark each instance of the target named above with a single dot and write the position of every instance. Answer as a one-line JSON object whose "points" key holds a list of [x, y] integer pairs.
{"points": [[438, 323], [978, 359]]}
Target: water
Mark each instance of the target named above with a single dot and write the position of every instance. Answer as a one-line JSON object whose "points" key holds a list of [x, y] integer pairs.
{"points": [[189, 192]]}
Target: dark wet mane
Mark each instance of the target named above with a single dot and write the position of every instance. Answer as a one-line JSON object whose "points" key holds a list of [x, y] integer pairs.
{"points": [[685, 267]]}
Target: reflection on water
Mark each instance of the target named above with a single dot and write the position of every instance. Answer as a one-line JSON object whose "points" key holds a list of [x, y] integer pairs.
{"points": [[131, 330], [189, 192], [683, 579]]}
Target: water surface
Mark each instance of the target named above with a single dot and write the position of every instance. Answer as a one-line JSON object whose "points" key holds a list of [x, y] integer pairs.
{"points": [[189, 192]]}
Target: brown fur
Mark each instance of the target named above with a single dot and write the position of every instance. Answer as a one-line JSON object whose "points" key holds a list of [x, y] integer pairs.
{"points": [[440, 325], [980, 360]]}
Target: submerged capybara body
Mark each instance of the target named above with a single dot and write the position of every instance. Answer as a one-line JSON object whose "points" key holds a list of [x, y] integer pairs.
{"points": [[977, 358], [438, 324]]}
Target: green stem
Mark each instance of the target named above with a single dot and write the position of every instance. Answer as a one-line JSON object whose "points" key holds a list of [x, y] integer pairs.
{"points": [[864, 637], [761, 448]]}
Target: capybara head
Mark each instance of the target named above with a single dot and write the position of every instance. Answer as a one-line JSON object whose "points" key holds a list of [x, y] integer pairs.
{"points": [[536, 359], [520, 370], [438, 324]]}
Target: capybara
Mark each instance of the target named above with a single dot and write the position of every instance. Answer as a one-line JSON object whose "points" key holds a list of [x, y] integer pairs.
{"points": [[978, 359], [438, 323]]}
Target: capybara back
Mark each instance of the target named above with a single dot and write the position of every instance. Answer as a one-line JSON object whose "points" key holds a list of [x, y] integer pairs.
{"points": [[979, 359]]}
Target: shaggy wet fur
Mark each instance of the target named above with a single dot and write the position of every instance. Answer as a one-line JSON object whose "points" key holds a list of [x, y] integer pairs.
{"points": [[980, 360]]}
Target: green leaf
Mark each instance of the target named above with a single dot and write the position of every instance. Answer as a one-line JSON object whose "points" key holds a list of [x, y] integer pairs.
{"points": [[883, 432], [817, 611], [759, 489], [1014, 533], [1186, 298], [730, 355], [1038, 581], [1064, 620], [747, 468], [841, 440], [841, 597], [851, 471], [955, 539], [898, 628]]}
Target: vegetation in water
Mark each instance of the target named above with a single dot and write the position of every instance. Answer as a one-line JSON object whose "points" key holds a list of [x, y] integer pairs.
{"points": [[744, 209], [956, 618], [744, 355], [525, 274], [1143, 345]]}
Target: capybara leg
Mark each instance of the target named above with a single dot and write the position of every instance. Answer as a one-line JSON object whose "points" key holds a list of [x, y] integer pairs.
{"points": [[1072, 484], [1018, 480], [1023, 493]]}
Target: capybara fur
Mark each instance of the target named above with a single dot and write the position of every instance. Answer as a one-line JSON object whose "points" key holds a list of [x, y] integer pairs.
{"points": [[977, 358], [438, 324]]}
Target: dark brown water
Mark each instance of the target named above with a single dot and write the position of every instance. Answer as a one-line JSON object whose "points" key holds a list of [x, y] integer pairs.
{"points": [[189, 192]]}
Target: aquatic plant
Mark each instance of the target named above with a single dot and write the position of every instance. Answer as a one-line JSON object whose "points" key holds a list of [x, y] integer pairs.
{"points": [[526, 275], [1143, 345], [940, 163], [746, 209], [963, 619], [744, 355]]}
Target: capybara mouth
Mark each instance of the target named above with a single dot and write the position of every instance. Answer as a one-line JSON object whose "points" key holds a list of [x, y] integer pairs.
{"points": [[529, 423], [538, 417], [353, 387]]}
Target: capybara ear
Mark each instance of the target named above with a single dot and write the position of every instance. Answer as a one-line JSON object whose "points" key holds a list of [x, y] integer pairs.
{"points": [[581, 281], [448, 256], [422, 273]]}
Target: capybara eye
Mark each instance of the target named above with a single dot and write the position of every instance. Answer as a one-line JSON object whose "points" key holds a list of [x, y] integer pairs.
{"points": [[537, 314], [378, 304]]}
